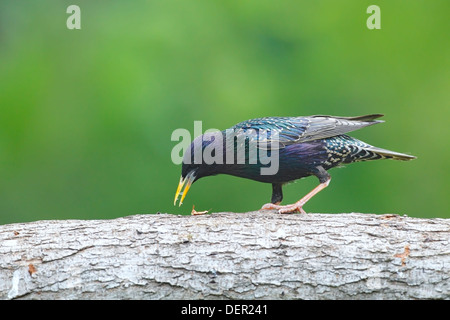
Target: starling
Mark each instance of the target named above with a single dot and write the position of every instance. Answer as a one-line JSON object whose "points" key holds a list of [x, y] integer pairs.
{"points": [[303, 146]]}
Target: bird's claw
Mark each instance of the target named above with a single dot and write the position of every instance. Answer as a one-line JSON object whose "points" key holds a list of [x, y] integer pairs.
{"points": [[291, 209], [296, 207]]}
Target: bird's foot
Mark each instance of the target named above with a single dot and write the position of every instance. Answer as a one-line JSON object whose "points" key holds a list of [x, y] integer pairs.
{"points": [[290, 208]]}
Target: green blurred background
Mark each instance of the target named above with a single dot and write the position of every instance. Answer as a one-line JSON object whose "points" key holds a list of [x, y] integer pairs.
{"points": [[87, 115]]}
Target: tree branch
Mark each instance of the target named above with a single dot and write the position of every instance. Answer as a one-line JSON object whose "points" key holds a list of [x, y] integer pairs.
{"points": [[252, 255]]}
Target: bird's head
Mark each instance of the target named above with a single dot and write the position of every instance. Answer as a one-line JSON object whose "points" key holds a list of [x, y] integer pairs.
{"points": [[195, 165]]}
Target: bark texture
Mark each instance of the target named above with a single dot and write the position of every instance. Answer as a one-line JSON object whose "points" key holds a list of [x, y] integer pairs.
{"points": [[250, 255]]}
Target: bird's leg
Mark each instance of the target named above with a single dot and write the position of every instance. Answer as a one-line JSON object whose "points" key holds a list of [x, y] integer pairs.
{"points": [[298, 206], [324, 179], [277, 193]]}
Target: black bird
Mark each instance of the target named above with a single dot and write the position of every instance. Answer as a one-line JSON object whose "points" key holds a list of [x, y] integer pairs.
{"points": [[303, 146]]}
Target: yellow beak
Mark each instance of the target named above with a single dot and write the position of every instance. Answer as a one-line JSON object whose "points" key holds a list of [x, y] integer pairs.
{"points": [[188, 181]]}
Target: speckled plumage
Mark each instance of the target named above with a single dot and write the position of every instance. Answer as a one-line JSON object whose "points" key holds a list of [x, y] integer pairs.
{"points": [[306, 146]]}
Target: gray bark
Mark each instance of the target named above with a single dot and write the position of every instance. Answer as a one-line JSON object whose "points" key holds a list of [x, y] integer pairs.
{"points": [[251, 255]]}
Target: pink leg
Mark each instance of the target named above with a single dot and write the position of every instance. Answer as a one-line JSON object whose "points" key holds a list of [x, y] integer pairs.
{"points": [[298, 206]]}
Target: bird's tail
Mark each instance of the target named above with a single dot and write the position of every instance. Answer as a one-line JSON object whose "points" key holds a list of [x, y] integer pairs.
{"points": [[388, 154], [355, 150], [379, 152], [361, 151]]}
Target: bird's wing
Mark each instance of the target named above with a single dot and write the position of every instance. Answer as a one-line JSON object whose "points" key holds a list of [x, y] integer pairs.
{"points": [[320, 127], [290, 130]]}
